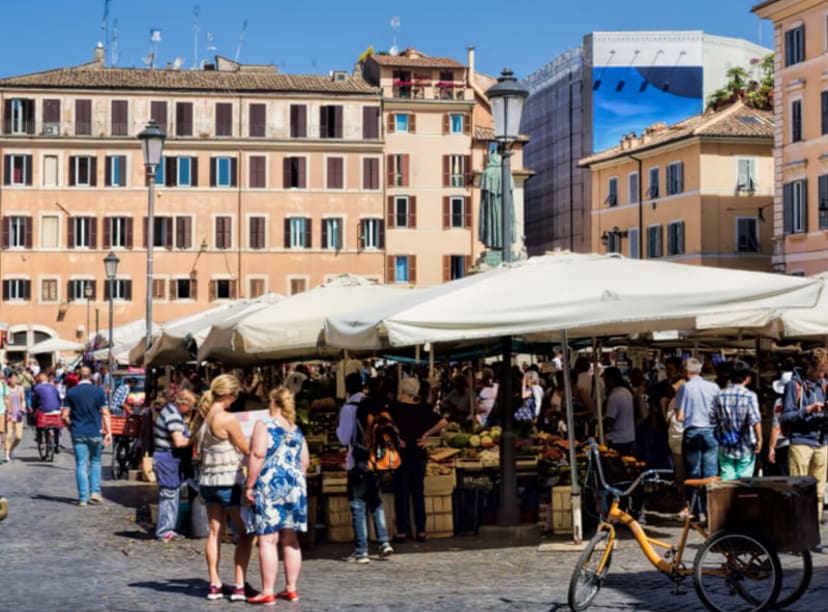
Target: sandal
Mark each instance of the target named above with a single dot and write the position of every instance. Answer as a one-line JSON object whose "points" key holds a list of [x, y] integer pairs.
{"points": [[261, 598], [288, 595]]}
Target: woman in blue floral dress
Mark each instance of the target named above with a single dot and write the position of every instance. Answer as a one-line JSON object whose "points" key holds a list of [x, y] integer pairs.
{"points": [[277, 492]]}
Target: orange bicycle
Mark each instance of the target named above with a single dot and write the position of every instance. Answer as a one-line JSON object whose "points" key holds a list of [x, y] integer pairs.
{"points": [[732, 571]]}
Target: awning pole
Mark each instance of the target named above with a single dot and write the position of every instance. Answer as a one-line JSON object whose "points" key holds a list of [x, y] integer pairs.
{"points": [[577, 527], [508, 511], [596, 386]]}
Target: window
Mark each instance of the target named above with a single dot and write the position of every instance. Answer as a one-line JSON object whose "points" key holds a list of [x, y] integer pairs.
{"points": [[183, 289], [613, 241], [256, 232], [456, 124], [370, 173], [401, 269], [298, 121], [402, 211], [183, 232], [83, 171], [372, 234], [632, 187], [117, 232], [17, 232], [17, 290], [120, 288], [824, 110], [632, 243], [746, 174], [455, 266], [51, 117], [330, 121], [297, 233], [49, 232], [162, 232], [179, 172], [49, 290], [398, 169], [675, 238], [223, 172], [224, 232], [76, 290], [675, 178], [81, 233], [183, 118], [17, 169], [258, 174], [18, 117], [747, 235], [456, 212], [256, 287], [822, 203], [158, 113], [83, 117], [335, 167], [119, 118], [298, 285], [456, 170], [794, 207], [294, 173], [50, 171], [654, 241], [400, 122], [223, 289], [115, 171], [224, 119], [370, 122], [258, 121], [796, 121], [652, 190], [795, 45], [332, 233], [612, 191]]}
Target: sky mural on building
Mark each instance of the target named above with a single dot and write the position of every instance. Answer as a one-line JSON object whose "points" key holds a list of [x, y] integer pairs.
{"points": [[628, 99]]}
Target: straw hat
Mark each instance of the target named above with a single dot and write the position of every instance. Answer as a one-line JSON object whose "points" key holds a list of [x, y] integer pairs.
{"points": [[779, 385]]}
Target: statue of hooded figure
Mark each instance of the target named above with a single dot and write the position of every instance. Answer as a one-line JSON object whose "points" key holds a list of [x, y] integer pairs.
{"points": [[490, 230]]}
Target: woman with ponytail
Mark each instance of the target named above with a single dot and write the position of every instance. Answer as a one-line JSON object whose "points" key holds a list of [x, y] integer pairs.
{"points": [[277, 491]]}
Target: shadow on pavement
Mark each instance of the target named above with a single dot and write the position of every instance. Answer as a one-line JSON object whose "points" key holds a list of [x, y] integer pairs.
{"points": [[194, 587], [56, 498], [135, 534], [130, 494]]}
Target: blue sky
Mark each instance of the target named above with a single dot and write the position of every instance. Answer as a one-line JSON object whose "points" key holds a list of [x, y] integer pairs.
{"points": [[317, 36]]}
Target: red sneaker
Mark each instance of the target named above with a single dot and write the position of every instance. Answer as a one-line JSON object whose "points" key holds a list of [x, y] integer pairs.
{"points": [[262, 599], [288, 595]]}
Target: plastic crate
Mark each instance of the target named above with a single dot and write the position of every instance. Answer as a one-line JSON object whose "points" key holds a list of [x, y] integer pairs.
{"points": [[49, 420], [129, 426]]}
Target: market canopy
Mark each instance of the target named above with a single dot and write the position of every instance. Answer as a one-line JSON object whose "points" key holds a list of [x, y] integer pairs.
{"points": [[774, 323], [56, 345], [585, 294], [293, 327], [177, 341], [124, 338]]}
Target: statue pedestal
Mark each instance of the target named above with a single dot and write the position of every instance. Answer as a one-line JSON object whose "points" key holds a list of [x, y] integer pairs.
{"points": [[488, 260]]}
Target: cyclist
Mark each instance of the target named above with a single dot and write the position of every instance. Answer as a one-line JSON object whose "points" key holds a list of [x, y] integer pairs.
{"points": [[46, 399]]}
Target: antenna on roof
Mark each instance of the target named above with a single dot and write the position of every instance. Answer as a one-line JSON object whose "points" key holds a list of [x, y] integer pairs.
{"points": [[155, 38], [210, 46], [395, 25], [178, 62], [115, 42], [105, 26], [195, 37], [241, 40]]}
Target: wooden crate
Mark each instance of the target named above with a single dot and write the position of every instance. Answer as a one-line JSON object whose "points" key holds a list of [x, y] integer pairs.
{"points": [[439, 516], [334, 482], [442, 484], [561, 509]]}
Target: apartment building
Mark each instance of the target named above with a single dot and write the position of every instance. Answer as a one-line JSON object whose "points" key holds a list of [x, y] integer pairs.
{"points": [[698, 192], [801, 136]]}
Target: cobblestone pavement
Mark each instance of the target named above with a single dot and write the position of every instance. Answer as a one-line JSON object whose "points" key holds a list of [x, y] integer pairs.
{"points": [[56, 555]]}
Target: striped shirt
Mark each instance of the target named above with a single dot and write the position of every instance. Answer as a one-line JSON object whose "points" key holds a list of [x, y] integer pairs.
{"points": [[168, 421], [742, 407], [119, 398]]}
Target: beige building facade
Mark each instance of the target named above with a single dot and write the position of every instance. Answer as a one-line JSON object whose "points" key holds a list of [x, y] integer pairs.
{"points": [[702, 190], [801, 135]]}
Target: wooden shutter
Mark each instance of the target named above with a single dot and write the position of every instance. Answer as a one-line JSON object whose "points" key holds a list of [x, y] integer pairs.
{"points": [[324, 233], [390, 275], [173, 288], [467, 124], [466, 264], [170, 171], [72, 161], [27, 290], [446, 170], [301, 173], [27, 231], [224, 119], [128, 233], [381, 236], [180, 232], [335, 179], [257, 172], [194, 172], [107, 232], [146, 233], [70, 233], [108, 161], [6, 232], [412, 212], [213, 171], [412, 123], [412, 269], [119, 118], [93, 171], [28, 117], [234, 167], [405, 170], [446, 268], [158, 112], [446, 212], [168, 232], [51, 111], [360, 234], [7, 116], [370, 121], [5, 297], [287, 232], [446, 123], [389, 170], [7, 169], [127, 290], [83, 117], [804, 206], [233, 289], [258, 120], [467, 212], [391, 213], [29, 169], [211, 288], [94, 285], [323, 121], [308, 233], [468, 177], [390, 123], [228, 232], [184, 119], [337, 121], [107, 290], [286, 173]]}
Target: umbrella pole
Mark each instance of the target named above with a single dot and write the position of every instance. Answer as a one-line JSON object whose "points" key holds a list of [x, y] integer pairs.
{"points": [[596, 386], [577, 527], [430, 360], [417, 354], [508, 511]]}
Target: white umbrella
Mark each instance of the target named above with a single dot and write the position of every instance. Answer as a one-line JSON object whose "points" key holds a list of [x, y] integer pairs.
{"points": [[292, 328], [56, 345], [586, 294]]}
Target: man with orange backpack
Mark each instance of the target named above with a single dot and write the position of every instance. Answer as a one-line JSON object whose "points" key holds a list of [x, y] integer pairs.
{"points": [[364, 481], [805, 417]]}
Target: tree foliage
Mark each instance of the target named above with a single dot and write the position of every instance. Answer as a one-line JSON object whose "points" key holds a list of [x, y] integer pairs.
{"points": [[754, 90]]}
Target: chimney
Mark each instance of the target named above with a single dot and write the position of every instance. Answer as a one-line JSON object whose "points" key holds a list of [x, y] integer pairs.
{"points": [[100, 54], [471, 66]]}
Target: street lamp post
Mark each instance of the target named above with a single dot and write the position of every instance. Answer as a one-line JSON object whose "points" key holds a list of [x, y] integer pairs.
{"points": [[152, 145], [507, 98], [87, 293], [111, 268]]}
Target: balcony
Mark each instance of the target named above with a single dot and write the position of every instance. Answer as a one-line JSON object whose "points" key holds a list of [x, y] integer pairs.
{"points": [[449, 90], [409, 90]]}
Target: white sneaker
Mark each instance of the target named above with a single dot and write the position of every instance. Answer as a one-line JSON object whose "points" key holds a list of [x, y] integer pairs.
{"points": [[358, 558], [386, 550]]}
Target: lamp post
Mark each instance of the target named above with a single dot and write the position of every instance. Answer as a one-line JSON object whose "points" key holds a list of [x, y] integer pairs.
{"points": [[87, 293], [507, 98], [152, 145], [111, 262]]}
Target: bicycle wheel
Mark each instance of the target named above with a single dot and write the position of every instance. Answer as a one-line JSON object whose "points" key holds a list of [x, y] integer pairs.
{"points": [[42, 436], [589, 573], [736, 572], [119, 457], [797, 569], [49, 434]]}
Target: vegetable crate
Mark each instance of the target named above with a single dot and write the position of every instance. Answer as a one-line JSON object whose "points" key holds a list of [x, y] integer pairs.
{"points": [[561, 508]]}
